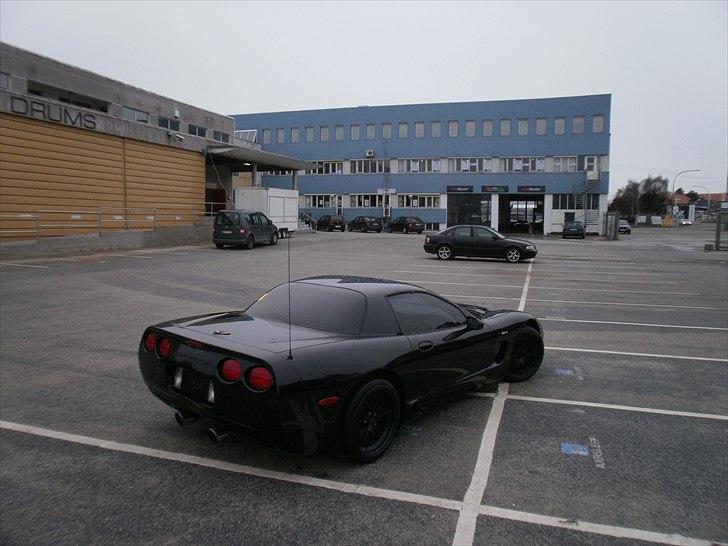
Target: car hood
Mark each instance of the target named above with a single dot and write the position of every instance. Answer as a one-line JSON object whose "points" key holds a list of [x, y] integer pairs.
{"points": [[246, 331], [519, 241]]}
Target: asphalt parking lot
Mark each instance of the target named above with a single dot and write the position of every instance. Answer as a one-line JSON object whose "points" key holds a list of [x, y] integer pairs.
{"points": [[620, 438]]}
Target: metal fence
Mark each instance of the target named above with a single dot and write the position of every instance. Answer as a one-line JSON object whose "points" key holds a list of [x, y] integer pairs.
{"points": [[97, 220]]}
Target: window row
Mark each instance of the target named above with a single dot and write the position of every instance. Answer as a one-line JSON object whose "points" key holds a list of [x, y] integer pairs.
{"points": [[575, 201], [140, 116], [455, 128], [327, 167]]}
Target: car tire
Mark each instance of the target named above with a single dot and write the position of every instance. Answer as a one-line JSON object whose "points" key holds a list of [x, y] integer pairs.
{"points": [[351, 228], [404, 231], [563, 236], [369, 422], [513, 255], [219, 245], [330, 229], [445, 252], [274, 238], [419, 233], [583, 236], [390, 229], [526, 354], [250, 243]]}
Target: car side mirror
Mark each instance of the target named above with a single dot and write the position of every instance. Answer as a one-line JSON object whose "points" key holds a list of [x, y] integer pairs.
{"points": [[473, 324]]}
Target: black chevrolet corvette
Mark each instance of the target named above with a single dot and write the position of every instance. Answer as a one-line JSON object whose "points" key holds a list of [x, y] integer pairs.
{"points": [[357, 358]]}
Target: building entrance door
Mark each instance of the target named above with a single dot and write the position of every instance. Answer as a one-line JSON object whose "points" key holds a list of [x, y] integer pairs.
{"points": [[473, 208], [519, 213]]}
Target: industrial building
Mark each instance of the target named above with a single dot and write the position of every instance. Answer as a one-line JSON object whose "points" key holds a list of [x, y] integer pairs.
{"points": [[82, 153], [516, 165]]}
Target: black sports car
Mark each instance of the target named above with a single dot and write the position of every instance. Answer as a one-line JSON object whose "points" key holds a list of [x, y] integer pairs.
{"points": [[358, 357], [478, 241]]}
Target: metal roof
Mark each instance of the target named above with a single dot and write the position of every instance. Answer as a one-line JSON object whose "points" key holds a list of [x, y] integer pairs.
{"points": [[267, 161]]}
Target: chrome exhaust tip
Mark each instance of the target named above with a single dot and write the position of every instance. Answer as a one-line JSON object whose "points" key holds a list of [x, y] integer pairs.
{"points": [[216, 435], [185, 418]]}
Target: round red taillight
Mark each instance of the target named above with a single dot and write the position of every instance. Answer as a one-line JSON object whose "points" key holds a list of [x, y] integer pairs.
{"points": [[230, 370], [260, 379], [165, 348], [150, 342]]}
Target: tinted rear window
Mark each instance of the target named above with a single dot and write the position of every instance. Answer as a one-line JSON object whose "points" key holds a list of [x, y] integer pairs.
{"points": [[227, 219], [325, 308]]}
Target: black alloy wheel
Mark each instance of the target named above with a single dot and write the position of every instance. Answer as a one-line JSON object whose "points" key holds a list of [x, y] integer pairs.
{"points": [[274, 238], [526, 354], [513, 255], [219, 245], [250, 243], [370, 421]]}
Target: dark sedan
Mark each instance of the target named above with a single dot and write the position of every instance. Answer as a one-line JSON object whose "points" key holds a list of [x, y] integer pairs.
{"points": [[344, 364], [365, 223], [330, 223], [478, 241], [407, 224], [624, 227], [573, 229]]}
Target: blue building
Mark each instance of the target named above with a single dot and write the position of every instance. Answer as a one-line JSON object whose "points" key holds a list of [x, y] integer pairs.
{"points": [[514, 165]]}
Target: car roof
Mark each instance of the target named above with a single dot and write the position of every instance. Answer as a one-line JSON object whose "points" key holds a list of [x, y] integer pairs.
{"points": [[369, 286], [238, 210]]}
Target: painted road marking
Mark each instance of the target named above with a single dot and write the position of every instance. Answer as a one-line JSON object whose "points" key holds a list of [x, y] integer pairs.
{"points": [[640, 409], [551, 288], [635, 324], [477, 267], [356, 489], [24, 265], [674, 357], [591, 302]]}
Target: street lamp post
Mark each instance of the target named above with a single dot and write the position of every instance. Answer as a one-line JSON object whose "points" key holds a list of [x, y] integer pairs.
{"points": [[674, 197], [707, 191]]}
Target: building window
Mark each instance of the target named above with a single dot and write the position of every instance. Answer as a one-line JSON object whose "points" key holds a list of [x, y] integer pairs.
{"points": [[327, 167], [354, 133], [402, 130], [540, 126], [324, 201], [309, 134], [470, 164], [523, 164], [280, 136], [578, 125], [4, 80], [419, 166], [564, 164], [571, 201], [386, 130], [419, 129], [564, 201], [371, 131], [419, 201], [339, 132], [559, 126], [171, 124], [436, 129], [266, 136], [368, 166], [135, 115], [295, 134], [469, 128], [598, 123], [324, 134], [452, 128], [197, 130], [220, 136], [589, 163], [432, 226], [370, 200], [522, 127], [487, 127], [505, 127]]}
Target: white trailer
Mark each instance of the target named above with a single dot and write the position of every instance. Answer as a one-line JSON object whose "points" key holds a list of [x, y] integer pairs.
{"points": [[281, 206]]}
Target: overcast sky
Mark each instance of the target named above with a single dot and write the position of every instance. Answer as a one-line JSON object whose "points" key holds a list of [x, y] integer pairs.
{"points": [[666, 64]]}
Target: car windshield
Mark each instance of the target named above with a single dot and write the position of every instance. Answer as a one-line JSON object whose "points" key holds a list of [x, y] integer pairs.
{"points": [[227, 219], [327, 308], [573, 224], [623, 223], [414, 219]]}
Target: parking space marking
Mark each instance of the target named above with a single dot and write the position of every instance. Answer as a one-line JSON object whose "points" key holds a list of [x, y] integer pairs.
{"points": [[597, 528], [343, 487], [622, 353], [138, 256], [635, 324], [24, 265], [583, 302]]}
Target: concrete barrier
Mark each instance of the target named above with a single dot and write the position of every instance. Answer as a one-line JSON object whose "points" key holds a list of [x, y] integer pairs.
{"points": [[112, 240]]}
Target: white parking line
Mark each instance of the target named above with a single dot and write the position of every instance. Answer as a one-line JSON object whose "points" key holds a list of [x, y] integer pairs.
{"points": [[558, 288], [634, 324], [137, 256], [674, 357], [478, 266], [364, 490], [24, 265]]}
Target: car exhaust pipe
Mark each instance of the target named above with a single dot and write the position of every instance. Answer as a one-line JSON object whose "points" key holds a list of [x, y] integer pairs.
{"points": [[216, 435], [184, 418]]}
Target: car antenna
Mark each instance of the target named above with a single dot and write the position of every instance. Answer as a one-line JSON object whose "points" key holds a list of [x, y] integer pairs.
{"points": [[290, 355]]}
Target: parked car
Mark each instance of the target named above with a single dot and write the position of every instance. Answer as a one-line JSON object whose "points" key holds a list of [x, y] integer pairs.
{"points": [[243, 228], [624, 227], [573, 229], [407, 224], [685, 222], [365, 223], [330, 223], [366, 355], [478, 241]]}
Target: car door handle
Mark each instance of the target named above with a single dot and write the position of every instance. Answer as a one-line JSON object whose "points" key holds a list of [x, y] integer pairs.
{"points": [[425, 346]]}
